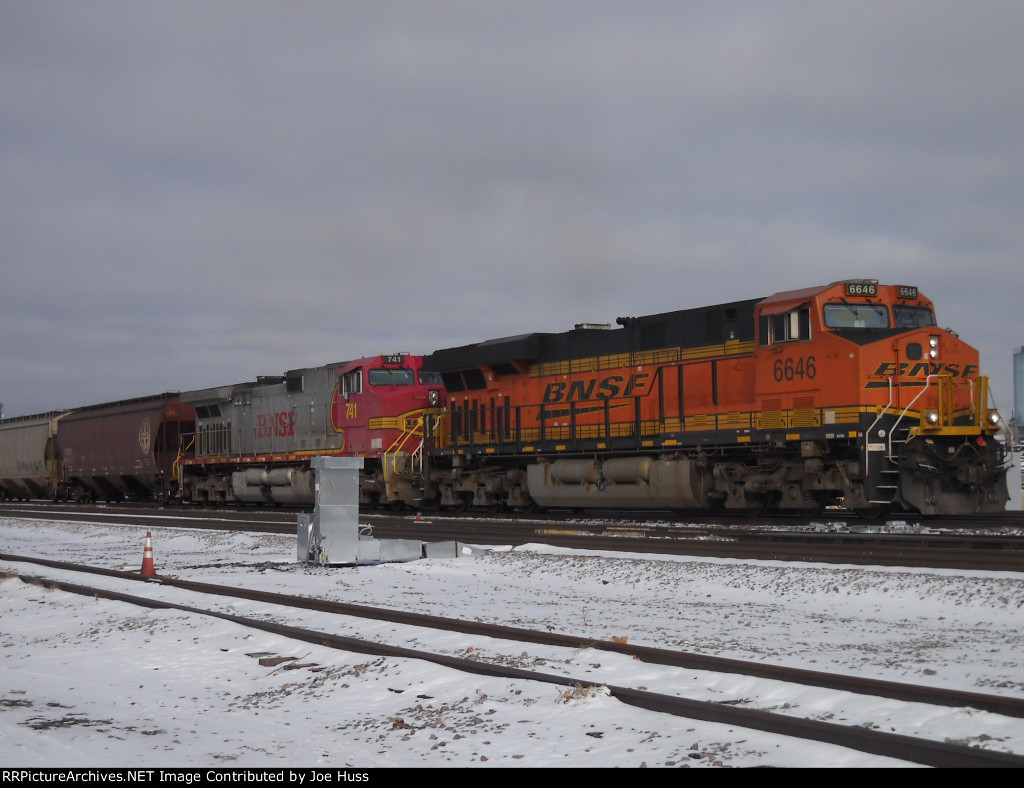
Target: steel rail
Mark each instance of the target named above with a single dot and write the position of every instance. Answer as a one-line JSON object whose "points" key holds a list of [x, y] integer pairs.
{"points": [[905, 748], [995, 704]]}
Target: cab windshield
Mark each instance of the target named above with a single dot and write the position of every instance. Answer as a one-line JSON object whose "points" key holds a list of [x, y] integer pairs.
{"points": [[856, 316], [390, 377], [913, 316]]}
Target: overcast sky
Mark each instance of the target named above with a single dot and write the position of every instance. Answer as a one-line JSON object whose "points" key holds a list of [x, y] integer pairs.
{"points": [[197, 193]]}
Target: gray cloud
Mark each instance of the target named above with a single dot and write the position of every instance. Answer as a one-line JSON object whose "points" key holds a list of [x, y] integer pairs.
{"points": [[197, 193]]}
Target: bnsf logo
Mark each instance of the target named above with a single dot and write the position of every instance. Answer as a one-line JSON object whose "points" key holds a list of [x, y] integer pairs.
{"points": [[594, 388], [280, 424], [924, 368]]}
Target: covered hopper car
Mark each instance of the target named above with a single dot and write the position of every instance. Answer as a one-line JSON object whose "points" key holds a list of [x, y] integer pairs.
{"points": [[122, 450], [112, 451], [29, 466]]}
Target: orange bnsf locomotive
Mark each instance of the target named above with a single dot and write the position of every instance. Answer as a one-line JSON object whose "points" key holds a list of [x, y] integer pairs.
{"points": [[844, 395], [253, 442]]}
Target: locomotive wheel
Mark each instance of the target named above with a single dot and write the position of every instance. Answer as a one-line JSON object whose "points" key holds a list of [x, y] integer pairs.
{"points": [[387, 506], [754, 508], [815, 505], [876, 512]]}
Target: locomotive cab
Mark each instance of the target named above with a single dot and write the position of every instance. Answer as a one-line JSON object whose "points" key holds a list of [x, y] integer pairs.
{"points": [[381, 408], [902, 414], [368, 402]]}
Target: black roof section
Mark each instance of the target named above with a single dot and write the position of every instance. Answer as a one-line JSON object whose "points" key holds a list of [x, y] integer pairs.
{"points": [[683, 328]]}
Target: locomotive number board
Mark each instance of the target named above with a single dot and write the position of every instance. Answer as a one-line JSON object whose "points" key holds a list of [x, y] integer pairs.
{"points": [[871, 289]]}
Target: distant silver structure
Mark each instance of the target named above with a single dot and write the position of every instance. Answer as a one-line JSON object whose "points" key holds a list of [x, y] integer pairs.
{"points": [[1017, 419], [1017, 432]]}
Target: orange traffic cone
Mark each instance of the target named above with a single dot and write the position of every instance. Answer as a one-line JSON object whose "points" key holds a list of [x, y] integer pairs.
{"points": [[148, 570]]}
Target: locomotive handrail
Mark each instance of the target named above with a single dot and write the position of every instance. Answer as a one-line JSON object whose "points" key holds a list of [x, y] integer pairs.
{"points": [[183, 447], [867, 432], [417, 457], [400, 441], [388, 458], [437, 428], [924, 388]]}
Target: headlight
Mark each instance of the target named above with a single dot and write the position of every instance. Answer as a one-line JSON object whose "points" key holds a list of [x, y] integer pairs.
{"points": [[932, 417], [933, 347], [433, 398], [993, 418]]}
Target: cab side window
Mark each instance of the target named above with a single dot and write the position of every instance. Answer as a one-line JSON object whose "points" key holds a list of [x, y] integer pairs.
{"points": [[352, 382], [785, 327]]}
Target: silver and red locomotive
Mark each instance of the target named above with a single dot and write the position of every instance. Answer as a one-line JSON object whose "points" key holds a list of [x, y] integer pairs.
{"points": [[254, 441]]}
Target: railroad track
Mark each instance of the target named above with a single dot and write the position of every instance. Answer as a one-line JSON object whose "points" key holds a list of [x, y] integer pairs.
{"points": [[1008, 521], [952, 550], [907, 748]]}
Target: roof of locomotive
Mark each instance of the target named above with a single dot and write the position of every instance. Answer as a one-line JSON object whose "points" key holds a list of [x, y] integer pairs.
{"points": [[226, 392], [682, 328], [292, 380], [788, 299]]}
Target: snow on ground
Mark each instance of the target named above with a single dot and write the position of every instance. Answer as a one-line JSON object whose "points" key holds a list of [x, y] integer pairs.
{"points": [[91, 683]]}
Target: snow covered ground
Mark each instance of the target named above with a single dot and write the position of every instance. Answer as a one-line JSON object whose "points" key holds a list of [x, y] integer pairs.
{"points": [[93, 683]]}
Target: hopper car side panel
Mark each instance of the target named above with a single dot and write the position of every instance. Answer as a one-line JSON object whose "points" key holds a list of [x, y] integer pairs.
{"points": [[28, 456], [124, 449]]}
